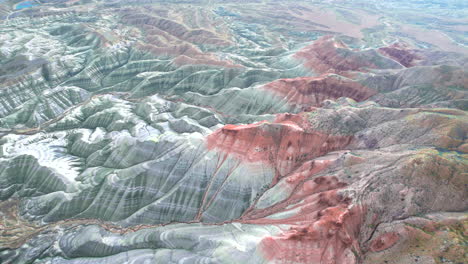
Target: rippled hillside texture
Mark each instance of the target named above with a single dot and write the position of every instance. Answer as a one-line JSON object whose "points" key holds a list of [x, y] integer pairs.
{"points": [[314, 132]]}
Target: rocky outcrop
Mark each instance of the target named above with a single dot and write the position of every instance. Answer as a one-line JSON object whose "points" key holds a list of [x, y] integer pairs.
{"points": [[439, 234]]}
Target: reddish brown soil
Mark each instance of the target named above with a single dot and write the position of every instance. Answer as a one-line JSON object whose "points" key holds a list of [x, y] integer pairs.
{"points": [[384, 241]]}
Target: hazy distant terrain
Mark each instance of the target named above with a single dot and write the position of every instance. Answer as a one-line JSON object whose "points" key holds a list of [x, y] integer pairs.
{"points": [[140, 131]]}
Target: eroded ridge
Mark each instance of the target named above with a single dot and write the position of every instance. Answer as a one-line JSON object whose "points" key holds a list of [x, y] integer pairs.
{"points": [[284, 143], [330, 55], [323, 224], [308, 92]]}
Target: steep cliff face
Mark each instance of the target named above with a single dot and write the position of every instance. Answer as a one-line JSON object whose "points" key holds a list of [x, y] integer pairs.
{"points": [[232, 132]]}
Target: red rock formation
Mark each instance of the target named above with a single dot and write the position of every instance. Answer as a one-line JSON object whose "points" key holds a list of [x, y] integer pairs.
{"points": [[324, 224], [384, 241], [324, 228], [402, 54], [330, 239], [285, 143], [306, 92], [309, 197], [328, 55]]}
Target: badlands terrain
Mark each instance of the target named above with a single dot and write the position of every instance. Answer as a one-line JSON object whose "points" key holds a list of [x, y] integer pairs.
{"points": [[235, 131]]}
